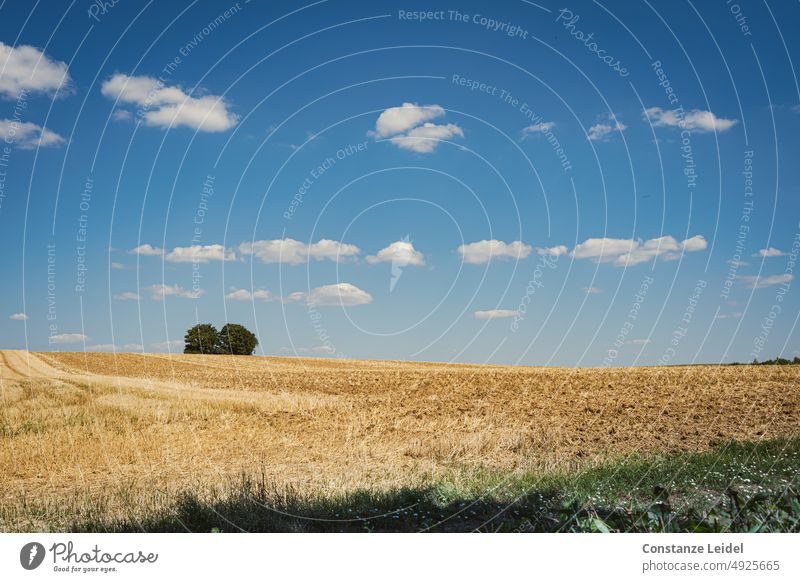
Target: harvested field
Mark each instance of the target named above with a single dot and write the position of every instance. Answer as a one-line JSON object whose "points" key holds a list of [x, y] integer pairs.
{"points": [[74, 424]]}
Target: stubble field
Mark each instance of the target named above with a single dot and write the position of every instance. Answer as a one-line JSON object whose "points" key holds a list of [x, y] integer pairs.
{"points": [[132, 442]]}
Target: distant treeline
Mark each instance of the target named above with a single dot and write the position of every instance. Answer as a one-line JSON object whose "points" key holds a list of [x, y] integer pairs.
{"points": [[775, 362]]}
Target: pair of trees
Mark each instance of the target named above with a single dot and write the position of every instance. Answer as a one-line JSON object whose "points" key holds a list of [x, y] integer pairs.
{"points": [[232, 339]]}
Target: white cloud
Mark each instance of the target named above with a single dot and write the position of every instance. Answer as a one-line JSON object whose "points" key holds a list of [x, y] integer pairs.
{"points": [[18, 316], [247, 295], [310, 136], [628, 252], [693, 120], [756, 282], [292, 297], [556, 251], [190, 254], [323, 349], [147, 251], [119, 266], [735, 315], [736, 264], [27, 136], [122, 115], [769, 252], [127, 296], [400, 119], [495, 313], [666, 247], [102, 348], [26, 68], [592, 290], [638, 342], [166, 107], [543, 127], [695, 243], [294, 252], [68, 338], [486, 250], [170, 345], [200, 254], [400, 253], [409, 127], [133, 347], [160, 291], [425, 138], [343, 294], [603, 250], [602, 131], [294, 350]]}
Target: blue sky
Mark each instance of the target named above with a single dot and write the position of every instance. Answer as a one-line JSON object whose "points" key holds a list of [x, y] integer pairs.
{"points": [[528, 183]]}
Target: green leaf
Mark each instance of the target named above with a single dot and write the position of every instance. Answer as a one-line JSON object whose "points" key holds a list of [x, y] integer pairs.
{"points": [[600, 525]]}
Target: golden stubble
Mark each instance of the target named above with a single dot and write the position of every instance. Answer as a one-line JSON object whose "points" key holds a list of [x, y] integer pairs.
{"points": [[74, 423]]}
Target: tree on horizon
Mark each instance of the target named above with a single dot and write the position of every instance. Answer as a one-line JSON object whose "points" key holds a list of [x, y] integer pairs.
{"points": [[203, 338], [236, 340]]}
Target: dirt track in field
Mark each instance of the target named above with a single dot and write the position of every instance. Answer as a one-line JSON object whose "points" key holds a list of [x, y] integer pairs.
{"points": [[75, 420]]}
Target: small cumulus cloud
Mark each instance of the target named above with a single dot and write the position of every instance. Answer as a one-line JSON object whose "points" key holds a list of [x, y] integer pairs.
{"points": [[102, 348], [401, 252], [169, 345], [695, 243], [294, 252], [147, 250], [247, 295], [556, 251], [18, 316], [409, 127], [537, 129], [26, 68], [200, 254], [603, 249], [602, 131], [161, 291], [127, 296], [323, 349], [592, 290], [294, 297], [425, 138], [770, 252], [483, 251], [495, 313], [756, 282], [400, 119], [734, 315], [169, 106], [68, 338], [122, 115], [693, 120], [343, 294], [736, 264], [629, 252], [27, 136]]}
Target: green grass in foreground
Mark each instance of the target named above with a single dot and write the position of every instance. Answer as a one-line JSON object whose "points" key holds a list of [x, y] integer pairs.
{"points": [[735, 487]]}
